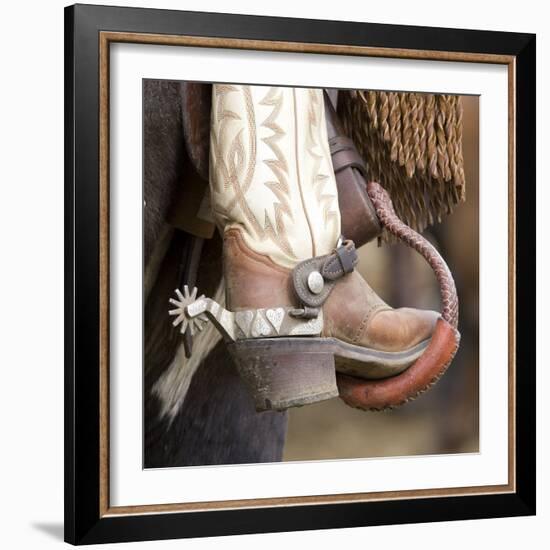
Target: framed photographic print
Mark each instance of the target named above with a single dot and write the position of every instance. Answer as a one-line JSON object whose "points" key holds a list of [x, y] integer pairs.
{"points": [[299, 274]]}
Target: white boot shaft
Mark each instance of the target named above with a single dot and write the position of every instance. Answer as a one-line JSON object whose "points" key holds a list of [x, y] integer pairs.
{"points": [[271, 172]]}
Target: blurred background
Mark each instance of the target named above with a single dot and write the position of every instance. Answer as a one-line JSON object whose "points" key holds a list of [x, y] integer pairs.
{"points": [[444, 419]]}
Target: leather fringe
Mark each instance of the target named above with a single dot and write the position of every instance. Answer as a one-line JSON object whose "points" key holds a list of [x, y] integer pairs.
{"points": [[412, 146]]}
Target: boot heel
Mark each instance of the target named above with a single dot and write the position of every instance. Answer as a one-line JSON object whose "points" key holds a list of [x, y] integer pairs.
{"points": [[285, 372]]}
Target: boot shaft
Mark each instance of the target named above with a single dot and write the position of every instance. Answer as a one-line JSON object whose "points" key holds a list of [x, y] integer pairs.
{"points": [[271, 174]]}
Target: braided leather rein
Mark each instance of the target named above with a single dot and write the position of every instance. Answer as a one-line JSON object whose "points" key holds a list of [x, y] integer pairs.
{"points": [[388, 219]]}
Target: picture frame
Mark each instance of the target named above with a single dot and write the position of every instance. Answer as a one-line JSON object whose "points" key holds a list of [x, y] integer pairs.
{"points": [[90, 31]]}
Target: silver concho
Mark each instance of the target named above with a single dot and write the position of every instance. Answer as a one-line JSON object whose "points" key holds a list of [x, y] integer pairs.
{"points": [[315, 282]]}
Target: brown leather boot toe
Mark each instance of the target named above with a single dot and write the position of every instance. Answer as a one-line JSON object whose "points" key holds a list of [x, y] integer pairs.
{"points": [[398, 329], [373, 340]]}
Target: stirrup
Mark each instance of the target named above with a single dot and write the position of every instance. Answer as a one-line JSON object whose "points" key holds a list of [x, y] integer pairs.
{"points": [[426, 371]]}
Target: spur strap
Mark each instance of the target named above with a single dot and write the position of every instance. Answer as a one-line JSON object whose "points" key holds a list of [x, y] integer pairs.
{"points": [[315, 278]]}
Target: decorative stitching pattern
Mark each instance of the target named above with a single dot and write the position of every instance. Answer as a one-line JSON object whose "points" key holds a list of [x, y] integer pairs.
{"points": [[327, 201], [365, 321], [235, 169], [227, 170], [298, 173], [251, 123], [255, 148], [236, 235], [279, 167]]}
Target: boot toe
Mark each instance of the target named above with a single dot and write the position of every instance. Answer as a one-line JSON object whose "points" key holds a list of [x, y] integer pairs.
{"points": [[401, 329]]}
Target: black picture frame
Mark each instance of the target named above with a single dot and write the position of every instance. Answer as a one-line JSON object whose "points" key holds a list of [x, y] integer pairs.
{"points": [[84, 523]]}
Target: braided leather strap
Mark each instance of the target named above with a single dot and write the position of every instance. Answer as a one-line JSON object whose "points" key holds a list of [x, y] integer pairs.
{"points": [[388, 218]]}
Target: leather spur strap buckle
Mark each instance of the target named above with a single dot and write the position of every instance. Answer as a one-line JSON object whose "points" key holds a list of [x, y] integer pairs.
{"points": [[315, 278]]}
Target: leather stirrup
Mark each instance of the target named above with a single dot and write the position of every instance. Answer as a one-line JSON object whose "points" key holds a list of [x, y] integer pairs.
{"points": [[426, 371]]}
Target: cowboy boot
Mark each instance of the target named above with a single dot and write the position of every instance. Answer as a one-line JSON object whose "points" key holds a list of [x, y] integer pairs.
{"points": [[297, 308]]}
